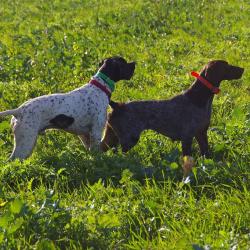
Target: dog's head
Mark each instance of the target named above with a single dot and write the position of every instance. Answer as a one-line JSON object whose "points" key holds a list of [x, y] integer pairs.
{"points": [[117, 68], [219, 70]]}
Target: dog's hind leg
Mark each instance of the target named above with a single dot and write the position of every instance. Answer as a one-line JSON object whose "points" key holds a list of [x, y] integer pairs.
{"points": [[24, 142], [96, 132], [95, 140]]}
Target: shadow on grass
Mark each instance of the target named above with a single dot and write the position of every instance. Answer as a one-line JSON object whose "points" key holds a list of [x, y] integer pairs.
{"points": [[70, 169]]}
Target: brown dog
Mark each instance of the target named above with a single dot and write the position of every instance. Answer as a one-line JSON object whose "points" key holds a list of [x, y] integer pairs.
{"points": [[181, 118]]}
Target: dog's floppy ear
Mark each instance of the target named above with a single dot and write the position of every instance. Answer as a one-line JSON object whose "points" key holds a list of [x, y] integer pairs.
{"points": [[105, 60]]}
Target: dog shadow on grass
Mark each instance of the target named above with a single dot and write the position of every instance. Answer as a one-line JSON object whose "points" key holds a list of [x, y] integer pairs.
{"points": [[73, 167], [77, 167]]}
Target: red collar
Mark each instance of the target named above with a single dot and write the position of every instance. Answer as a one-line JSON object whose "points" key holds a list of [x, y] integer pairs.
{"points": [[215, 90], [100, 86]]}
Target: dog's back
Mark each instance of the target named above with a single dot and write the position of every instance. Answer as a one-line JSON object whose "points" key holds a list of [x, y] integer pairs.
{"points": [[176, 118]]}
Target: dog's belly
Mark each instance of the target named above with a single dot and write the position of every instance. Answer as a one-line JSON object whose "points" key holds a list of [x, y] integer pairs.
{"points": [[182, 130], [170, 134], [78, 130]]}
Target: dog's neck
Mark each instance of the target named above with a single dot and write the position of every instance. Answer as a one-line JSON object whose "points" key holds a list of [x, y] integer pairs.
{"points": [[199, 94], [104, 79], [104, 83]]}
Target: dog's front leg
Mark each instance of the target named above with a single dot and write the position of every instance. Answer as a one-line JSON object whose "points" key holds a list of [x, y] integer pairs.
{"points": [[202, 140], [188, 161], [95, 137], [95, 140]]}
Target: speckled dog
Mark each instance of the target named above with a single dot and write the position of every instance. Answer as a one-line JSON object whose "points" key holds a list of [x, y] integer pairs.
{"points": [[82, 111]]}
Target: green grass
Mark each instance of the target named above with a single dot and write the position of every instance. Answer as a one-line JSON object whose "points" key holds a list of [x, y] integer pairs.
{"points": [[65, 197]]}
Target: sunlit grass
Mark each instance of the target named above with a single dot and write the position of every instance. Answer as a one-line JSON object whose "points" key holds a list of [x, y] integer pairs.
{"points": [[65, 197]]}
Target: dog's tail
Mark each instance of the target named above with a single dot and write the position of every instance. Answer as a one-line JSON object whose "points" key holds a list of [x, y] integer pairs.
{"points": [[10, 112]]}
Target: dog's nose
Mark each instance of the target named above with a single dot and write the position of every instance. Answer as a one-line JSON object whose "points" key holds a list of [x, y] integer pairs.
{"points": [[242, 70], [133, 63]]}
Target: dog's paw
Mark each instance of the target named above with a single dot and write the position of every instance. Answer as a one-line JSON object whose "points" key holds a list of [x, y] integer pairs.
{"points": [[188, 163]]}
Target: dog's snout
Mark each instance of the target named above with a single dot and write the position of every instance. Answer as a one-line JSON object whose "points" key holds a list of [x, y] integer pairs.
{"points": [[234, 72], [131, 65], [239, 72], [131, 69]]}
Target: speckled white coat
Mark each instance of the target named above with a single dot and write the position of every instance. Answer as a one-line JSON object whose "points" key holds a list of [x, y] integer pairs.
{"points": [[87, 105]]}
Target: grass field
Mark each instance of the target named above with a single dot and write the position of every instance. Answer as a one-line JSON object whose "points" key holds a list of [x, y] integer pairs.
{"points": [[64, 197]]}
